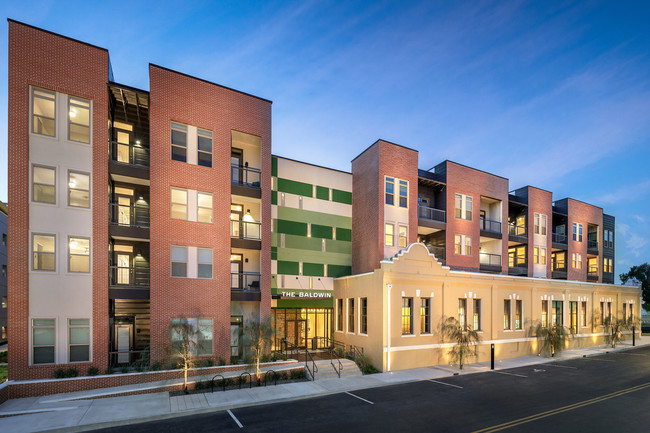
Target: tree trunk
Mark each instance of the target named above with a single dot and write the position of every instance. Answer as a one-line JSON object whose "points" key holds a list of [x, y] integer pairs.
{"points": [[185, 377]]}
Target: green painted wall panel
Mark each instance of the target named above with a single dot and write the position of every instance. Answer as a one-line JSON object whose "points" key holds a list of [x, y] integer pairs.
{"points": [[313, 269], [274, 166], [305, 303], [338, 271], [294, 187], [292, 227], [322, 192], [292, 255], [341, 247], [288, 268], [307, 216], [322, 232], [341, 196], [274, 197], [303, 243], [343, 234]]}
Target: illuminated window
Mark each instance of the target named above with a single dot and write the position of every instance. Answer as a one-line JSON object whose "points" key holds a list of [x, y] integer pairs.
{"points": [[78, 189], [351, 315], [339, 315], [403, 193], [583, 313], [540, 224], [43, 184], [204, 211], [389, 235], [403, 230], [477, 314], [544, 313], [78, 120], [390, 190], [407, 316], [425, 316], [43, 112], [79, 340], [179, 203], [204, 147], [539, 255], [463, 207], [43, 247], [577, 232], [506, 314], [43, 341], [577, 261], [179, 142], [463, 245], [573, 316], [4, 302], [602, 313], [462, 312], [364, 315], [79, 254], [556, 313], [518, 314]]}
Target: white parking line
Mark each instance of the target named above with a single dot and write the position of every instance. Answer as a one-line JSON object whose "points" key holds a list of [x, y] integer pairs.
{"points": [[367, 401], [235, 418], [561, 366], [602, 360], [443, 383], [509, 374]]}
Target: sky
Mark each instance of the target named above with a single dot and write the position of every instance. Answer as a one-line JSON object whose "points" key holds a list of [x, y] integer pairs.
{"points": [[550, 94]]}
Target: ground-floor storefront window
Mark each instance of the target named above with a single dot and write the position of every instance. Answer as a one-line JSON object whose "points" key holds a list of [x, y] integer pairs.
{"points": [[303, 327]]}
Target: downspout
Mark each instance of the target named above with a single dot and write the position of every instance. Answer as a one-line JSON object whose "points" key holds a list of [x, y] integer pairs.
{"points": [[388, 299]]}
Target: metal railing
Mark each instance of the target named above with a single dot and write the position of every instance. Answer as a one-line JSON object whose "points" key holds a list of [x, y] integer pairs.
{"points": [[592, 245], [429, 213], [128, 358], [243, 175], [132, 276], [437, 251], [558, 265], [516, 230], [134, 215], [490, 259], [338, 367], [517, 261], [592, 271], [245, 281], [292, 348], [245, 230], [130, 154], [559, 238], [489, 225]]}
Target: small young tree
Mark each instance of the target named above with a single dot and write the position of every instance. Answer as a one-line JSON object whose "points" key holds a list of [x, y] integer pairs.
{"points": [[464, 336], [551, 338], [183, 335], [257, 335], [615, 328]]}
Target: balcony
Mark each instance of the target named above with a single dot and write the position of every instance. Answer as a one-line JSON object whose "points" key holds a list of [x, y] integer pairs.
{"points": [[490, 227], [490, 262], [129, 216], [130, 282], [245, 286], [592, 246], [517, 265], [516, 230], [431, 214], [558, 270], [559, 238], [246, 230], [592, 273]]}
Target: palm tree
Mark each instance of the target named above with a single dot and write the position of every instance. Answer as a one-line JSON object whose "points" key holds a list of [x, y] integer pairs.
{"points": [[466, 339], [551, 338]]}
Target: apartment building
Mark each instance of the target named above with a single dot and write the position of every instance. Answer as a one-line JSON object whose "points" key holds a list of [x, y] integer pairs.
{"points": [[3, 273], [122, 199]]}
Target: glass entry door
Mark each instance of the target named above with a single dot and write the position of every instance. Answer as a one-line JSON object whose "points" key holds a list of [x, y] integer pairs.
{"points": [[123, 268], [236, 274], [123, 333], [296, 330]]}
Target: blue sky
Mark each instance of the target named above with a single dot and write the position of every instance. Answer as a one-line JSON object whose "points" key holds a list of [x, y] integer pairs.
{"points": [[551, 94]]}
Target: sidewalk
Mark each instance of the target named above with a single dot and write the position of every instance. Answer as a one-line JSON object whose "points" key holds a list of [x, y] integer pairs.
{"points": [[83, 411]]}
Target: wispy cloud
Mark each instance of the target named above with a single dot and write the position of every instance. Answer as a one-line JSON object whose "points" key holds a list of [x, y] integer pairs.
{"points": [[626, 192], [634, 242]]}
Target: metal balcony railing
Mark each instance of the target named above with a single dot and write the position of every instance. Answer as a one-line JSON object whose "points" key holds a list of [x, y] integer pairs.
{"points": [[490, 259], [245, 281], [559, 238], [490, 225], [130, 154], [592, 245], [245, 230], [247, 176], [132, 276], [517, 261], [516, 230], [592, 271], [129, 215], [437, 251], [432, 214], [559, 265]]}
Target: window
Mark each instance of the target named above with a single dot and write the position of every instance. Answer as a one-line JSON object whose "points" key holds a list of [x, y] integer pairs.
{"points": [[197, 332], [403, 230], [425, 316], [556, 313], [204, 213], [79, 254], [43, 184], [583, 313], [539, 255], [4, 302], [78, 189], [43, 112], [204, 267], [389, 237], [463, 207], [204, 147], [518, 313], [463, 245], [608, 265], [624, 312], [339, 315], [577, 232], [407, 316], [179, 203], [540, 224], [179, 261], [179, 142], [351, 315], [462, 312], [43, 341], [300, 202], [477, 314], [403, 193], [506, 314], [79, 120], [4, 239], [573, 316], [608, 238], [602, 313], [536, 255], [609, 312], [577, 261], [3, 332], [364, 316], [390, 190], [43, 247], [544, 313], [204, 337], [4, 270], [79, 340]]}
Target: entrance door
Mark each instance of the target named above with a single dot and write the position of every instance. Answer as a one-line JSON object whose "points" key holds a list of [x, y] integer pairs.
{"points": [[296, 331], [236, 325], [123, 268], [236, 274], [123, 333]]}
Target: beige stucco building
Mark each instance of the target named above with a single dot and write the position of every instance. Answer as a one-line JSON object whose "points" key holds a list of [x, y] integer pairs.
{"points": [[395, 312]]}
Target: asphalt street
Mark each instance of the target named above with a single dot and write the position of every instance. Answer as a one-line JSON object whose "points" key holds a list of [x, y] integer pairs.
{"points": [[605, 393]]}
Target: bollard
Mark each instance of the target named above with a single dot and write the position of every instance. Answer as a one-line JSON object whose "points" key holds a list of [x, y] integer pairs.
{"points": [[492, 358]]}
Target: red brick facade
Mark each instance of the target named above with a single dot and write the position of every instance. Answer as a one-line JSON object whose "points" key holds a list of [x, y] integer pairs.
{"points": [[541, 202], [583, 213]]}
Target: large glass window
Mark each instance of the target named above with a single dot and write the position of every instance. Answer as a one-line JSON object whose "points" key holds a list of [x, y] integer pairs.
{"points": [[556, 313], [403, 230], [79, 254], [407, 316], [403, 193], [339, 315], [573, 316], [204, 263], [179, 203], [544, 313], [43, 247], [462, 312], [204, 337], [179, 142], [78, 120], [197, 332], [540, 224], [425, 316], [351, 315], [43, 112], [205, 148], [390, 190], [477, 314], [43, 184], [463, 207], [204, 213], [4, 302], [463, 245], [43, 341], [583, 313], [179, 261], [577, 232], [518, 314], [390, 234], [78, 189], [506, 314], [364, 315], [79, 340], [577, 261]]}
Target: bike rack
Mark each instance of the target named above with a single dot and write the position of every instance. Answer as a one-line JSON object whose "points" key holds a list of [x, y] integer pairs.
{"points": [[268, 373], [250, 380], [223, 381]]}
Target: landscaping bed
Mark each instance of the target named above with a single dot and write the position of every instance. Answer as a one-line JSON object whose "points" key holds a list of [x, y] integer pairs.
{"points": [[244, 381]]}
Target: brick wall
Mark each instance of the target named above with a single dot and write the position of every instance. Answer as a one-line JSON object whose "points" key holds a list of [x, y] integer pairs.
{"points": [[42, 59], [584, 214], [539, 201], [177, 97]]}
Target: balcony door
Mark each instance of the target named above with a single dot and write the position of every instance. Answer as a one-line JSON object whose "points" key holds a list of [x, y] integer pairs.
{"points": [[236, 268], [236, 161], [123, 139], [236, 215], [123, 205]]}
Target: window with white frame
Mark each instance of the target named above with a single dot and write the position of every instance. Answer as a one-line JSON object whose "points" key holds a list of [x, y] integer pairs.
{"points": [[463, 206], [179, 203], [540, 224], [79, 340], [43, 184], [204, 147], [43, 112], [78, 189], [179, 142], [204, 211], [389, 234], [351, 315], [78, 254], [403, 193], [44, 252], [463, 245], [204, 265], [78, 120], [462, 312], [577, 232], [179, 261], [390, 190], [364, 316], [519, 323], [477, 314], [577, 261], [43, 341], [403, 231], [608, 265], [539, 255], [506, 314]]}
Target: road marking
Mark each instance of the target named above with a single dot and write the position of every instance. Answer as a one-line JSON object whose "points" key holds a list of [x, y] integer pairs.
{"points": [[367, 401], [561, 366], [443, 383], [235, 418], [509, 374], [602, 360], [552, 412], [635, 354]]}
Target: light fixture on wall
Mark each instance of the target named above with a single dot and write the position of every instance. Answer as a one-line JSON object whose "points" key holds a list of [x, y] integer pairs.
{"points": [[248, 217]]}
